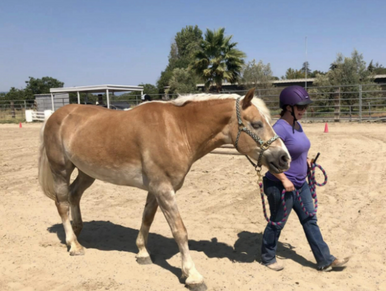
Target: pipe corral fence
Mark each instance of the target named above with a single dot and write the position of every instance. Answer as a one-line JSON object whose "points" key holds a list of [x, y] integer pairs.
{"points": [[333, 103]]}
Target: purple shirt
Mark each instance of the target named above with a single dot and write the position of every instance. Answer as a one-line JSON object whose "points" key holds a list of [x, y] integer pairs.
{"points": [[298, 145]]}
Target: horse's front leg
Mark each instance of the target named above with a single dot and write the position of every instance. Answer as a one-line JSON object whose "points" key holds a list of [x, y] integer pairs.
{"points": [[168, 204], [151, 206]]}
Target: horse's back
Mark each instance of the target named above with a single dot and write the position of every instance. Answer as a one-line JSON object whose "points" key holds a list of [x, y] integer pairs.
{"points": [[80, 113], [89, 125]]}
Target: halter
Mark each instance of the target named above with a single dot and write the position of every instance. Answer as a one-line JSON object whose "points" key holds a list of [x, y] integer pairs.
{"points": [[263, 145]]}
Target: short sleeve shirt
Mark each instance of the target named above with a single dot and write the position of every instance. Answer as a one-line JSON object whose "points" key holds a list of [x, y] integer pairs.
{"points": [[298, 146]]}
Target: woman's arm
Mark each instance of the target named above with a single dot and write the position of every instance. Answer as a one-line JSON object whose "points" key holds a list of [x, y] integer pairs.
{"points": [[288, 185]]}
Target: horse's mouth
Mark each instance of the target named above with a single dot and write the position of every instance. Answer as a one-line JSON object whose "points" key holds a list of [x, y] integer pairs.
{"points": [[273, 168]]}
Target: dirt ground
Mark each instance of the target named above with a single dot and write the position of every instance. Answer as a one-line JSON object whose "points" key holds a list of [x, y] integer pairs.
{"points": [[222, 211]]}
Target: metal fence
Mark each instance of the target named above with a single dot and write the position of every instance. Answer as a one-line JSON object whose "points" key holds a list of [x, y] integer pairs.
{"points": [[334, 103], [340, 103], [14, 111]]}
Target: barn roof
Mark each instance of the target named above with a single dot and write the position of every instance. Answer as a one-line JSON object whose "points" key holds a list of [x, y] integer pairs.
{"points": [[97, 88]]}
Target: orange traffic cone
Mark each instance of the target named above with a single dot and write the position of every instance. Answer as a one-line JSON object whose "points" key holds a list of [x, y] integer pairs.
{"points": [[326, 128], [20, 126]]}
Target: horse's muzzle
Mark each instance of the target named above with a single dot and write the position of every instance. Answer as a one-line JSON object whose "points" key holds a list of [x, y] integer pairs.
{"points": [[276, 160]]}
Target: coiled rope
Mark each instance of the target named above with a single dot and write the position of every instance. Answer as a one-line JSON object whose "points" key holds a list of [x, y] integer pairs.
{"points": [[311, 182]]}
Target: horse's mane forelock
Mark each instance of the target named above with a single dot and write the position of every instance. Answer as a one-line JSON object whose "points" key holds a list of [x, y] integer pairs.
{"points": [[259, 103], [264, 110]]}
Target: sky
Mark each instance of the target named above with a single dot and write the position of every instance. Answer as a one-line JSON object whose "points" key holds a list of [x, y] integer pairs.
{"points": [[91, 42]]}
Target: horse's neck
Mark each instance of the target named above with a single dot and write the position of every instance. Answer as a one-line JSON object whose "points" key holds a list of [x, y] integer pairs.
{"points": [[209, 128]]}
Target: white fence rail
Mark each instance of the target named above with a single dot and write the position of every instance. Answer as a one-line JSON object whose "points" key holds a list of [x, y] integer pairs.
{"points": [[31, 115]]}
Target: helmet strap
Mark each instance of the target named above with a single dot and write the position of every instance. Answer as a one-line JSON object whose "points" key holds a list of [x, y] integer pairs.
{"points": [[293, 115]]}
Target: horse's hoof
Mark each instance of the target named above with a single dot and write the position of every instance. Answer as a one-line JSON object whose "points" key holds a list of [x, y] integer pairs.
{"points": [[144, 261], [79, 252], [197, 287]]}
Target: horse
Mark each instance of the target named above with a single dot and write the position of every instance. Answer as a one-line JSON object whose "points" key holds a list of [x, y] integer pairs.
{"points": [[151, 147]]}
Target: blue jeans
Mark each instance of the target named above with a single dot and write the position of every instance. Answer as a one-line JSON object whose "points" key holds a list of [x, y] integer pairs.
{"points": [[271, 234]]}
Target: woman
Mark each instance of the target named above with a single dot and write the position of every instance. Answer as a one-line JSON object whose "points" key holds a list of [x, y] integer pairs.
{"points": [[293, 102]]}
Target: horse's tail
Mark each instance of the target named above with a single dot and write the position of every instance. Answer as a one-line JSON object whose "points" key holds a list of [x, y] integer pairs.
{"points": [[45, 175]]}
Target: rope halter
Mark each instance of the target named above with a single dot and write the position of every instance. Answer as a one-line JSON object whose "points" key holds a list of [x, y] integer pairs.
{"points": [[263, 145]]}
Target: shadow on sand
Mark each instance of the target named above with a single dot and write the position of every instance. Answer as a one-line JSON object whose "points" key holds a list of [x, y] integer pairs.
{"points": [[107, 236]]}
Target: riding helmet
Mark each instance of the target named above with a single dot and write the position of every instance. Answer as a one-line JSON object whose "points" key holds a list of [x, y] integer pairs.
{"points": [[294, 95]]}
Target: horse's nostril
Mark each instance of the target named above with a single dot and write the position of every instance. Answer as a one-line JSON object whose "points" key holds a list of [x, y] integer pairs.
{"points": [[284, 159]]}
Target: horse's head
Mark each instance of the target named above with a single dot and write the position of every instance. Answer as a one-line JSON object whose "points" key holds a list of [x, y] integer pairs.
{"points": [[254, 136]]}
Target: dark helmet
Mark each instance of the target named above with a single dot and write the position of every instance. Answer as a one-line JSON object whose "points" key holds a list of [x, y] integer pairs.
{"points": [[294, 95]]}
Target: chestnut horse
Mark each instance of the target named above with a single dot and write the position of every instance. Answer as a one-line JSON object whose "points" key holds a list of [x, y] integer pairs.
{"points": [[151, 147]]}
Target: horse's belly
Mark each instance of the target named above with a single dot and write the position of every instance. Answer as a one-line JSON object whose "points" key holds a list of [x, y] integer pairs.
{"points": [[126, 175]]}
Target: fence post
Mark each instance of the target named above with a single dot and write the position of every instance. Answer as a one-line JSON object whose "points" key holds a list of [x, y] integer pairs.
{"points": [[337, 105], [350, 112], [13, 109], [28, 116], [360, 103]]}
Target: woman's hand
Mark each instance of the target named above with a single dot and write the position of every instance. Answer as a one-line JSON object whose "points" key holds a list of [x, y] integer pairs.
{"points": [[288, 185], [309, 162]]}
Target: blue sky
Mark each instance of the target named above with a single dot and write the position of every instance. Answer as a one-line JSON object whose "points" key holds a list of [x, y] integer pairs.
{"points": [[89, 42]]}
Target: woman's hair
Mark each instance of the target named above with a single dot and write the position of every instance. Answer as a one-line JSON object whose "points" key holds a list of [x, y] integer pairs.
{"points": [[282, 112]]}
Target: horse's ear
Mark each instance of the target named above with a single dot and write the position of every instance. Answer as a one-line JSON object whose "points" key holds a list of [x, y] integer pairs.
{"points": [[247, 101]]}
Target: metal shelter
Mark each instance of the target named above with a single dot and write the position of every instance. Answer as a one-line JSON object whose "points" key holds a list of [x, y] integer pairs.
{"points": [[94, 89]]}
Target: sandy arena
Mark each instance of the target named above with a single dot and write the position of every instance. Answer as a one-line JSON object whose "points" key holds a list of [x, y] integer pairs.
{"points": [[222, 211]]}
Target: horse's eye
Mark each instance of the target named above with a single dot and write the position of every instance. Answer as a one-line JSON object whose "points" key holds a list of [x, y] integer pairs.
{"points": [[257, 125]]}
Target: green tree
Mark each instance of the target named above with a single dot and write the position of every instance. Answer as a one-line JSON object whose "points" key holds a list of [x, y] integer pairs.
{"points": [[293, 74], [306, 67], [217, 59], [15, 94], [301, 74], [41, 86], [182, 82], [186, 43], [316, 72], [164, 79], [148, 89], [257, 75], [346, 71], [377, 69]]}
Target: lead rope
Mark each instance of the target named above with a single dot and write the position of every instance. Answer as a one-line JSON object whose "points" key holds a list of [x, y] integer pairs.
{"points": [[311, 182]]}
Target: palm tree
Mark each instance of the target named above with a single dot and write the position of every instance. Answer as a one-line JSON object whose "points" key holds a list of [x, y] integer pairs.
{"points": [[217, 59]]}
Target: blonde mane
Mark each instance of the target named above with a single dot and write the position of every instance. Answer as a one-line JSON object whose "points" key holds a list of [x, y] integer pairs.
{"points": [[258, 102], [264, 110]]}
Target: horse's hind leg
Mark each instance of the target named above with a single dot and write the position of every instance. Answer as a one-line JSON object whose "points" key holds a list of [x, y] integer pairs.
{"points": [[151, 206], [61, 176], [80, 184]]}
